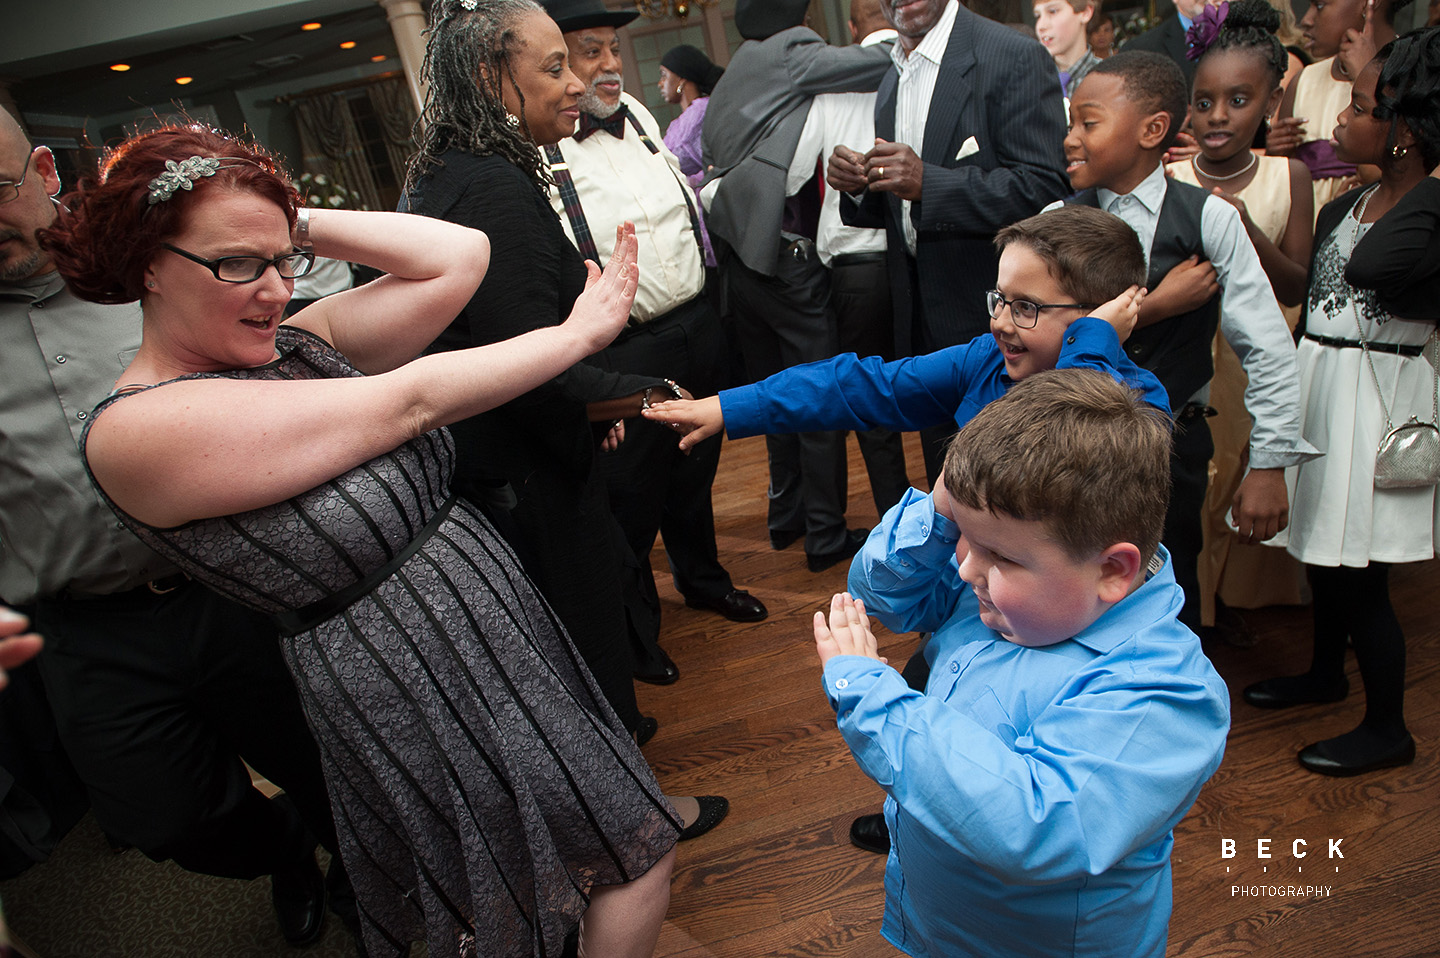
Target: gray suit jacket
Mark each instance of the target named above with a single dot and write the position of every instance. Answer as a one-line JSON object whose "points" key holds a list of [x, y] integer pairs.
{"points": [[753, 123], [998, 87]]}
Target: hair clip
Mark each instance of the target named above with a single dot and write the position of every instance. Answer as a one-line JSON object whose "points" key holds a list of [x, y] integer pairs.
{"points": [[468, 4], [1205, 29], [185, 174]]}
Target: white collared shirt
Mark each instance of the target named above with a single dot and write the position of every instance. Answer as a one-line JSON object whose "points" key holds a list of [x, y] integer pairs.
{"points": [[837, 119], [619, 180], [1250, 317], [918, 73]]}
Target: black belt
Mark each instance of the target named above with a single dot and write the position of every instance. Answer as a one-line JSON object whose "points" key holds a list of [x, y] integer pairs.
{"points": [[857, 259], [160, 586], [1398, 349], [1192, 411], [307, 617]]}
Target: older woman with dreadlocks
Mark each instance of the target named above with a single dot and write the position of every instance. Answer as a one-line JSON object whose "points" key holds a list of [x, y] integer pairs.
{"points": [[486, 797], [499, 88]]}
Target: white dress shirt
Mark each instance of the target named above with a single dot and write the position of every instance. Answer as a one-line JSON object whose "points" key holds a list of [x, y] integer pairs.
{"points": [[918, 73], [1250, 317], [837, 119], [619, 180]]}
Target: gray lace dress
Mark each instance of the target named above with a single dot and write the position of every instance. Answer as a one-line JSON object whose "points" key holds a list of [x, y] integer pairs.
{"points": [[480, 782]]}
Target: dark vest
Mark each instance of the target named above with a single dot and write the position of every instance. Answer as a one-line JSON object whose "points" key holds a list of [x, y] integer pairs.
{"points": [[1177, 350]]}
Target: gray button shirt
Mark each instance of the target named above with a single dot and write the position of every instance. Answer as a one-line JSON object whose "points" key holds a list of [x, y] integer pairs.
{"points": [[59, 357]]}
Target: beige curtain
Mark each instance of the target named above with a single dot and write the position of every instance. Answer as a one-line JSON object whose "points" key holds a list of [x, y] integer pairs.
{"points": [[331, 144], [396, 112]]}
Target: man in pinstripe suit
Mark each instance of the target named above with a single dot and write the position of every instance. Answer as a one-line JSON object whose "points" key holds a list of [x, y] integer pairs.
{"points": [[972, 123], [969, 124]]}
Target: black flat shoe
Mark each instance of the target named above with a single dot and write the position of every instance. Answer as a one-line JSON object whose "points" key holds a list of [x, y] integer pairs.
{"points": [[713, 809], [781, 539], [646, 730], [1287, 691], [737, 605], [658, 671], [1321, 758], [870, 833], [298, 894], [820, 561]]}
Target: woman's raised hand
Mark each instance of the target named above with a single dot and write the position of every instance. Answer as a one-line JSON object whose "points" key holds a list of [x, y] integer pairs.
{"points": [[601, 310]]}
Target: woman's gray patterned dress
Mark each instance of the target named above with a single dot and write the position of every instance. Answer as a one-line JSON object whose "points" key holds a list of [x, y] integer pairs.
{"points": [[480, 782]]}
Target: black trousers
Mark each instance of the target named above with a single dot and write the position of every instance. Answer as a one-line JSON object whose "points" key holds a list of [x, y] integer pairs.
{"points": [[1184, 531], [653, 486], [156, 699], [785, 320], [864, 314]]}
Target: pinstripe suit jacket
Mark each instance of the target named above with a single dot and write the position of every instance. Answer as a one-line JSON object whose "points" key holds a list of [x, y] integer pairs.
{"points": [[999, 87]]}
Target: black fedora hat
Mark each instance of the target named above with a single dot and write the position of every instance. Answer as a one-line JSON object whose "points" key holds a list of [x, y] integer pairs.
{"points": [[579, 14]]}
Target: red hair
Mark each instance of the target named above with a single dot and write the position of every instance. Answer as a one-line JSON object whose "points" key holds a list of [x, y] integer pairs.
{"points": [[108, 231]]}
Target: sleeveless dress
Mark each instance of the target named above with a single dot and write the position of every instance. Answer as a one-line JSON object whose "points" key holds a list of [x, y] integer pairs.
{"points": [[1243, 576], [1337, 516], [481, 784]]}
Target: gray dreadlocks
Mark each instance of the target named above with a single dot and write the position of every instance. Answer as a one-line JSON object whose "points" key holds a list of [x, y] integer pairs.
{"points": [[467, 58]]}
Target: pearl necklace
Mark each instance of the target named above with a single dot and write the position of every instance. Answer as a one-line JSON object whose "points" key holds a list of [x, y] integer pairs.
{"points": [[1195, 162]]}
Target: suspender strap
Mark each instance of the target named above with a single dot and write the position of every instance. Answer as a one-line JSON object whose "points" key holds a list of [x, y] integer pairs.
{"points": [[684, 187], [565, 183]]}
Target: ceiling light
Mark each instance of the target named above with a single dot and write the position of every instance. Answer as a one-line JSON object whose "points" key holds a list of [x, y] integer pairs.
{"points": [[184, 80], [348, 45], [378, 58], [312, 25], [119, 67]]}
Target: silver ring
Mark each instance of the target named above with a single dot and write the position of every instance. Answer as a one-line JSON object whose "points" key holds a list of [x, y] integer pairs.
{"points": [[881, 171]]}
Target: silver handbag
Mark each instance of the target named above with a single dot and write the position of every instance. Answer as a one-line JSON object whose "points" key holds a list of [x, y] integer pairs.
{"points": [[1409, 455]]}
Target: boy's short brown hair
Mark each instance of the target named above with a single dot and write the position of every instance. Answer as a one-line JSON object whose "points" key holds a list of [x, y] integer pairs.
{"points": [[1074, 449], [1093, 255]]}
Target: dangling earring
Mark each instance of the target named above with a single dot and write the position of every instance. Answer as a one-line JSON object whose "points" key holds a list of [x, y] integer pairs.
{"points": [[511, 120]]}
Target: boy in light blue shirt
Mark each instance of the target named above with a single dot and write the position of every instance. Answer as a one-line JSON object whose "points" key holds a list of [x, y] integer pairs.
{"points": [[1069, 720]]}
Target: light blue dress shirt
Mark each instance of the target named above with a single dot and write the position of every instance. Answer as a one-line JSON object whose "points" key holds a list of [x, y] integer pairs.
{"points": [[1250, 318], [1032, 790], [846, 392]]}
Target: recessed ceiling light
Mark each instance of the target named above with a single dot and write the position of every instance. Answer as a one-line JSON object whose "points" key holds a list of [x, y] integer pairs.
{"points": [[184, 80], [348, 45], [119, 67], [378, 58], [312, 25]]}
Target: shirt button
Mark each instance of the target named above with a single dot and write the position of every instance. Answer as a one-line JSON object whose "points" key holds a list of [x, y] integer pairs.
{"points": [[81, 415], [842, 683], [954, 666], [1070, 341], [59, 359], [40, 304], [924, 530]]}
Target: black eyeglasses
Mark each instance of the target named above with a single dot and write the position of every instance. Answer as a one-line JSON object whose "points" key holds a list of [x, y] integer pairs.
{"points": [[11, 190], [247, 269], [1024, 313]]}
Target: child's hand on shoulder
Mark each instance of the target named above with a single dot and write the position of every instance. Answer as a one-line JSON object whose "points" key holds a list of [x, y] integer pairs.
{"points": [[1123, 311], [848, 631]]}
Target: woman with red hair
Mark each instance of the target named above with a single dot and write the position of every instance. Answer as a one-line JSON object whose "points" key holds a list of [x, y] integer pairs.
{"points": [[484, 792]]}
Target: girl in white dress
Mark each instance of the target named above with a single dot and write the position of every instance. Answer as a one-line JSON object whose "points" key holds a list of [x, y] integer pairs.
{"points": [[1345, 530]]}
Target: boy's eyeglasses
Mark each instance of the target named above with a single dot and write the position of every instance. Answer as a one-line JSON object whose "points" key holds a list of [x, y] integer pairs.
{"points": [[1024, 313], [247, 269], [10, 190]]}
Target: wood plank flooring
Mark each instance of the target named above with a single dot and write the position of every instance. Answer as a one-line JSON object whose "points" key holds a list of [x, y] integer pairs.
{"points": [[779, 877]]}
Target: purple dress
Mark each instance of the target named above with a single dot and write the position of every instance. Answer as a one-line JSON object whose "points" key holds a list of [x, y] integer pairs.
{"points": [[682, 138]]}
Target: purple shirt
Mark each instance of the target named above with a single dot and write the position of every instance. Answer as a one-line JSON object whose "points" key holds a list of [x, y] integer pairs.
{"points": [[682, 138]]}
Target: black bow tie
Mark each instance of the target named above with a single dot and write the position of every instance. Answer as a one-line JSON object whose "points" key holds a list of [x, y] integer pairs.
{"points": [[614, 124]]}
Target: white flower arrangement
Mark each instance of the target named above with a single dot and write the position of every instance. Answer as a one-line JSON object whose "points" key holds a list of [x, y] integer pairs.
{"points": [[320, 190]]}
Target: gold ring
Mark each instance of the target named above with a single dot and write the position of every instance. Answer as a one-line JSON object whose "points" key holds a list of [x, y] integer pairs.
{"points": [[881, 171]]}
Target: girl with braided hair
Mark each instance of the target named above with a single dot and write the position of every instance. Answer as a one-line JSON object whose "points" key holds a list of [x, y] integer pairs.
{"points": [[1361, 366], [1237, 85]]}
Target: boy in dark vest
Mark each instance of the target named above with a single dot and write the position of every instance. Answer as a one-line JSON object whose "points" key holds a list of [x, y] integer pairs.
{"points": [[1203, 273]]}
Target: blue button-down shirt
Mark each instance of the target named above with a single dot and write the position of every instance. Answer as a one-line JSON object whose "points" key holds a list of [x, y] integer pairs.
{"points": [[1032, 790], [955, 383]]}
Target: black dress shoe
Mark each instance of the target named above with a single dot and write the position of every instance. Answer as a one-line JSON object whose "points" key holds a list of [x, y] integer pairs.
{"points": [[784, 538], [1290, 690], [870, 833], [737, 605], [660, 670], [298, 893], [713, 809], [854, 539], [1321, 758], [646, 730]]}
